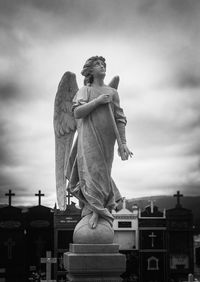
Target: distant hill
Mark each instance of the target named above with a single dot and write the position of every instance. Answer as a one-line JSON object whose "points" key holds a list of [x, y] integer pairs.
{"points": [[169, 202]]}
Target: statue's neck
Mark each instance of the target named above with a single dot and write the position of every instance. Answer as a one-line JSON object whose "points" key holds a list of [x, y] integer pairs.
{"points": [[98, 82]]}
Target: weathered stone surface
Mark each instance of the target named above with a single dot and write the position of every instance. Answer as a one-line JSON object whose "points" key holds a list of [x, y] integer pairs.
{"points": [[102, 234], [94, 267], [91, 248], [93, 279], [94, 263]]}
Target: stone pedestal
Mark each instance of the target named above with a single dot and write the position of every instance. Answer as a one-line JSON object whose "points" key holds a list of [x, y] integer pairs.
{"points": [[94, 263], [102, 234]]}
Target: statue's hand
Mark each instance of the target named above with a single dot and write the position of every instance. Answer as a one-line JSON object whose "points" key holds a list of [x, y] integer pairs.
{"points": [[104, 99], [124, 152]]}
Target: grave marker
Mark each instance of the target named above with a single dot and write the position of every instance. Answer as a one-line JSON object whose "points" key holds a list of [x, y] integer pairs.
{"points": [[48, 260]]}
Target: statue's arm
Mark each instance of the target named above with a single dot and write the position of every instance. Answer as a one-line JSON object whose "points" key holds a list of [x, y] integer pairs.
{"points": [[119, 118], [121, 125], [122, 131], [84, 110]]}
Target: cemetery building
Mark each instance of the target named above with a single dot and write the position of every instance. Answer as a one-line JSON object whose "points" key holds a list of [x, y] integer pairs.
{"points": [[197, 255], [152, 245], [64, 224], [180, 241], [12, 243], [126, 235], [39, 236], [158, 245]]}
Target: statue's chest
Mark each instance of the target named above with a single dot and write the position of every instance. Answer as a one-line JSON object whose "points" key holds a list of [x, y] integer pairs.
{"points": [[95, 93]]}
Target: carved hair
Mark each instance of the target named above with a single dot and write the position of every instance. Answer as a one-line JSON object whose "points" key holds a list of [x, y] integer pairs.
{"points": [[87, 68]]}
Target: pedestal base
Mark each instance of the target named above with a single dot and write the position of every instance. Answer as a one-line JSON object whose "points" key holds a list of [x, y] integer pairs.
{"points": [[94, 263]]}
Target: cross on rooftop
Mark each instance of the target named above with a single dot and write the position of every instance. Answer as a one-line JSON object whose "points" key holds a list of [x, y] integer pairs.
{"points": [[39, 197], [124, 202], [10, 194], [48, 260], [68, 196], [151, 205], [152, 236], [178, 196]]}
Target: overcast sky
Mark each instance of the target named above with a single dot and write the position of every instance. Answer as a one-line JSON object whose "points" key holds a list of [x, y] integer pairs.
{"points": [[153, 45]]}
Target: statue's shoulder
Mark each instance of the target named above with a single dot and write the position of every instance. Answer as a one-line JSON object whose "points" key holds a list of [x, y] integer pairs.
{"points": [[85, 88], [83, 93], [113, 90]]}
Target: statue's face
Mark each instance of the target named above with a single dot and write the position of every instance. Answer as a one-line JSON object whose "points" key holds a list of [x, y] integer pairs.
{"points": [[98, 69]]}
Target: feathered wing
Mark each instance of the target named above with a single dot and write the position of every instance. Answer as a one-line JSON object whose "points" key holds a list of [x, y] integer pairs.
{"points": [[64, 129], [114, 82]]}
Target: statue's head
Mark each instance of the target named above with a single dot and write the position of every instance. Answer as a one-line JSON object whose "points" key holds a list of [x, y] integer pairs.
{"points": [[88, 67]]}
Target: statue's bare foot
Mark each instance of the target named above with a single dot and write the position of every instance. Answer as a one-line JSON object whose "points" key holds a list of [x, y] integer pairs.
{"points": [[93, 220]]}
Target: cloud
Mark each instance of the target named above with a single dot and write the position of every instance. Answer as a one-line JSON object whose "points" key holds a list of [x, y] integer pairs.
{"points": [[27, 21], [9, 90], [188, 76]]}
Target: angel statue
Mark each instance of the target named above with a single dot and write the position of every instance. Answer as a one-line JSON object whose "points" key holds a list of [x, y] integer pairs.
{"points": [[84, 165]]}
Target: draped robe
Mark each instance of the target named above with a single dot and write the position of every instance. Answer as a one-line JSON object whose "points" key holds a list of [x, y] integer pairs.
{"points": [[90, 163]]}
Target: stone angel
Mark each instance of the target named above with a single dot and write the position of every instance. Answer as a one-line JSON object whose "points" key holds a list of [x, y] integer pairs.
{"points": [[84, 165]]}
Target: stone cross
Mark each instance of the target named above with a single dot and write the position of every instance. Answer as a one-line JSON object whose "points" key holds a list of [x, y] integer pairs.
{"points": [[10, 244], [151, 204], [68, 196], [124, 203], [48, 260], [178, 196], [152, 236], [9, 194], [39, 197]]}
